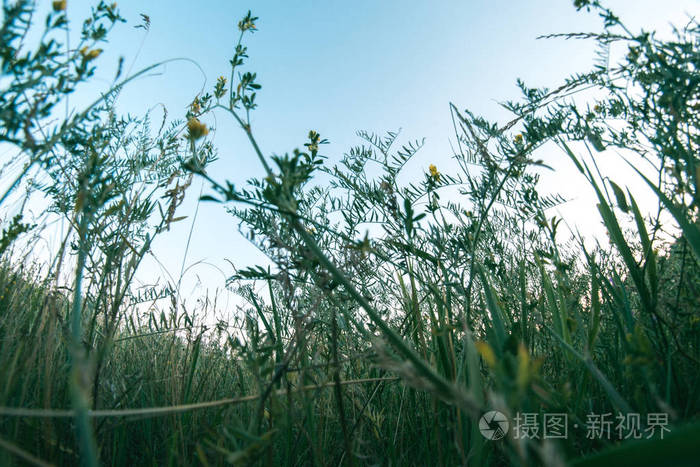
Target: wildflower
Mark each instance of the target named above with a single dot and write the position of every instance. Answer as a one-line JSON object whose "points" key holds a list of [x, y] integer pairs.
{"points": [[247, 23], [59, 5], [434, 172], [196, 129], [526, 367], [597, 108], [486, 353], [90, 54], [518, 139], [195, 106], [93, 54]]}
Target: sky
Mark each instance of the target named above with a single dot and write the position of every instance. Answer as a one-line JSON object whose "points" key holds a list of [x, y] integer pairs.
{"points": [[338, 67]]}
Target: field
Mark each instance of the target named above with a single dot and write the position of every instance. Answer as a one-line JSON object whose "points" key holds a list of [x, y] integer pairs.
{"points": [[447, 320]]}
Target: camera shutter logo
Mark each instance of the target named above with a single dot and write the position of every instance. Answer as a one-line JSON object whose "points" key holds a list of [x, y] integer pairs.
{"points": [[493, 425]]}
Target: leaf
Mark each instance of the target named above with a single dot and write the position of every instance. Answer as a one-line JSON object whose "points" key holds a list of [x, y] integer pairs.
{"points": [[616, 235], [615, 397], [690, 231], [620, 196], [595, 140], [499, 330], [680, 448], [594, 323]]}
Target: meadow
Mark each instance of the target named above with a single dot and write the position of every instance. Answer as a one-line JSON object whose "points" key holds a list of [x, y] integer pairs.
{"points": [[443, 321]]}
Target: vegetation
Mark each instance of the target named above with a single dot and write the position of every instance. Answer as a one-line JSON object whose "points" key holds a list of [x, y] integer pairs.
{"points": [[393, 315]]}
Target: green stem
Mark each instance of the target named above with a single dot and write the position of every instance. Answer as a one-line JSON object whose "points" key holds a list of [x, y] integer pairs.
{"points": [[442, 386], [79, 369]]}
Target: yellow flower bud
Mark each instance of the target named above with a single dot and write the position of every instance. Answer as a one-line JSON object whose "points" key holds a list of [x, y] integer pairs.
{"points": [[486, 353], [93, 54], [90, 54], [196, 129], [195, 107]]}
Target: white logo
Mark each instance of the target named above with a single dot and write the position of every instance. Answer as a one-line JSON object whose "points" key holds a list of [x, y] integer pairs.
{"points": [[493, 425]]}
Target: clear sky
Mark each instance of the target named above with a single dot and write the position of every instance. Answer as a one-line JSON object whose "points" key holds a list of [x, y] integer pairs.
{"points": [[338, 67]]}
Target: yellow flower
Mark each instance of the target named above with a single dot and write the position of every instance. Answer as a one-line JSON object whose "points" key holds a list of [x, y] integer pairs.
{"points": [[195, 106], [90, 54], [93, 54], [59, 5], [525, 367], [434, 172], [518, 139], [486, 353], [196, 129]]}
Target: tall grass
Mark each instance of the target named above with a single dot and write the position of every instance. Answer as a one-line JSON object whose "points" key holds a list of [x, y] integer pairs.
{"points": [[352, 348]]}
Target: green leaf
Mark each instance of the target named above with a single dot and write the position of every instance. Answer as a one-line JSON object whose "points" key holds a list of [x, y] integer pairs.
{"points": [[679, 448], [690, 231], [617, 400], [620, 196], [595, 140], [494, 310]]}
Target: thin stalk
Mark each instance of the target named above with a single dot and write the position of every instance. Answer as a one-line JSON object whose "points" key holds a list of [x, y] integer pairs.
{"points": [[441, 385], [79, 369], [338, 390]]}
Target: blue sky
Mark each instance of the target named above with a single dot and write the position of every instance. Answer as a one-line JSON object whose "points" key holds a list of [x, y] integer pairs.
{"points": [[338, 67]]}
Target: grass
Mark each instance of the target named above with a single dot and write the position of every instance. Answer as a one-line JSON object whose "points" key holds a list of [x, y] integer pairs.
{"points": [[352, 348]]}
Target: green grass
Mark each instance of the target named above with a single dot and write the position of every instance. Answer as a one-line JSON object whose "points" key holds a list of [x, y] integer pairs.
{"points": [[356, 349]]}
